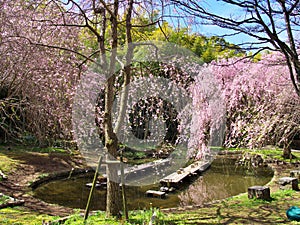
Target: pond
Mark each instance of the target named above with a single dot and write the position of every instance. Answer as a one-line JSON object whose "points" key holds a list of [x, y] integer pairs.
{"points": [[223, 179]]}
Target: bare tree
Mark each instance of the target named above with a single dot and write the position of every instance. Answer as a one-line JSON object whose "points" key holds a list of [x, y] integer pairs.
{"points": [[274, 25]]}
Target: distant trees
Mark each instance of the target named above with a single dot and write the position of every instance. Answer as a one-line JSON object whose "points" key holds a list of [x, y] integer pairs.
{"points": [[207, 48]]}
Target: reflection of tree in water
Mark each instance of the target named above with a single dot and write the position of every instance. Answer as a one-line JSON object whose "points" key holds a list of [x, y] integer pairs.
{"points": [[201, 191]]}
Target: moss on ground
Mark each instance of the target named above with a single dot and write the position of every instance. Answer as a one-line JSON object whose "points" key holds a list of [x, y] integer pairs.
{"points": [[22, 216], [7, 164]]}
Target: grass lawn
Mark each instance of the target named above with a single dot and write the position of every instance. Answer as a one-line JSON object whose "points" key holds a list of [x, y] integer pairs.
{"points": [[235, 210], [241, 210]]}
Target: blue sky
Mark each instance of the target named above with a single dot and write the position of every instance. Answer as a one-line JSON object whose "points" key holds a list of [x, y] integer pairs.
{"points": [[224, 10]]}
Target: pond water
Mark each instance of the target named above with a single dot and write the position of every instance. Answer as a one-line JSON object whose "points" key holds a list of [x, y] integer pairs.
{"points": [[223, 179]]}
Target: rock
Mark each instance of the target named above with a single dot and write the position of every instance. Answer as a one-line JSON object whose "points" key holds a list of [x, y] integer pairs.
{"points": [[288, 183], [3, 176]]}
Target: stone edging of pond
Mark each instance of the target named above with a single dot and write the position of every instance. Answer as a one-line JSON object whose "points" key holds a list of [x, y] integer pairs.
{"points": [[12, 203]]}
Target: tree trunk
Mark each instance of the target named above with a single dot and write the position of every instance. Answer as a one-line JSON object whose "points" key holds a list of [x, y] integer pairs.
{"points": [[287, 153], [113, 203], [113, 199]]}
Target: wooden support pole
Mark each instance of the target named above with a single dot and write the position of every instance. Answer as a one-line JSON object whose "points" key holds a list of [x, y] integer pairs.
{"points": [[87, 209], [123, 187]]}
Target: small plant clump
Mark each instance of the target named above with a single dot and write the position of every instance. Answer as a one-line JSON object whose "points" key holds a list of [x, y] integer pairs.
{"points": [[4, 199]]}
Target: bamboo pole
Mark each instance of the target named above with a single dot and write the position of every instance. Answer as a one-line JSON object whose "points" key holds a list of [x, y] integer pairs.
{"points": [[87, 209]]}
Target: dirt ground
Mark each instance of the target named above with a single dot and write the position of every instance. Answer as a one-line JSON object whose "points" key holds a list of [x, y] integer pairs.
{"points": [[30, 166]]}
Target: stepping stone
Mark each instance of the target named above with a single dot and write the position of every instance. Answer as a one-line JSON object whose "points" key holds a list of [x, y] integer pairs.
{"points": [[155, 194], [288, 183], [259, 192]]}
